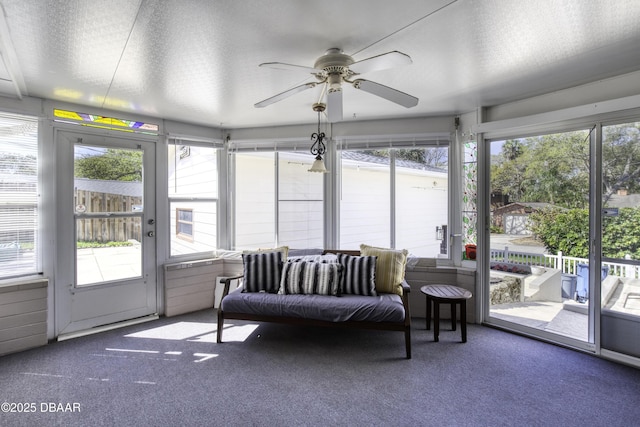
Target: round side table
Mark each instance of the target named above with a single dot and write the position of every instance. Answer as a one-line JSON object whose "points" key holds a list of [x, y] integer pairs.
{"points": [[448, 294]]}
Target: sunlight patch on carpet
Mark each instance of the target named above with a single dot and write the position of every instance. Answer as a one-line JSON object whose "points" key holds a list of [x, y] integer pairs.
{"points": [[176, 331], [231, 333], [196, 332]]}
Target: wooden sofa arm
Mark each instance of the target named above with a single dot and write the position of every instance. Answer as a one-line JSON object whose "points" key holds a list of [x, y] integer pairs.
{"points": [[406, 289], [227, 284]]}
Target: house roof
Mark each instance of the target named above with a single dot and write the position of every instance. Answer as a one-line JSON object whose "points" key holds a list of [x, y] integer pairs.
{"points": [[516, 205], [370, 158], [621, 201]]}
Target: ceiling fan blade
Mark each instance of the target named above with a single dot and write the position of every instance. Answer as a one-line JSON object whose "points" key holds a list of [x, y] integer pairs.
{"points": [[381, 62], [334, 105], [289, 67], [386, 92], [285, 94]]}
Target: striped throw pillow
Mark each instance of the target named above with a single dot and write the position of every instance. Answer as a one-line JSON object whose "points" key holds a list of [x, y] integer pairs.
{"points": [[314, 258], [262, 271], [359, 275], [310, 278], [389, 267]]}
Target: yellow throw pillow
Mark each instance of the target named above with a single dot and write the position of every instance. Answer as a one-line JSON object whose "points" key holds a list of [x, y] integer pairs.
{"points": [[390, 267]]}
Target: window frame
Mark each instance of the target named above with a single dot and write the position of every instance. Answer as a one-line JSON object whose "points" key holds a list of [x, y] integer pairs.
{"points": [[393, 144], [184, 144], [332, 179]]}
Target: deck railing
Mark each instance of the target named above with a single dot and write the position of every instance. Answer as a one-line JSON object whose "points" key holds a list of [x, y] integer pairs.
{"points": [[566, 264]]}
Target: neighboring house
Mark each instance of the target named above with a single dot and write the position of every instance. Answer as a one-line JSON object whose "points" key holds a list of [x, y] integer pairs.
{"points": [[514, 217], [623, 200]]}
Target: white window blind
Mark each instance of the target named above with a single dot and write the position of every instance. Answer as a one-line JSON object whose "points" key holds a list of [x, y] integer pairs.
{"points": [[380, 142], [18, 196], [360, 142]]}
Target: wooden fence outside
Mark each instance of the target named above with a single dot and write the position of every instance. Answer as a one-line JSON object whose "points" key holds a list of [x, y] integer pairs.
{"points": [[107, 229]]}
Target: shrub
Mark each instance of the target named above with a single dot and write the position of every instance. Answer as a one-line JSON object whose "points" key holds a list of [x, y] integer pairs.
{"points": [[567, 230]]}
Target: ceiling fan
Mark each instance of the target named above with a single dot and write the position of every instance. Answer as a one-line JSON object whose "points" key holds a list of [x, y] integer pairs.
{"points": [[335, 68]]}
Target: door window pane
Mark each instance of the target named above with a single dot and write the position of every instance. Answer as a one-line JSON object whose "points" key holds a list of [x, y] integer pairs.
{"points": [[107, 180], [107, 184], [620, 270], [621, 191], [540, 232]]}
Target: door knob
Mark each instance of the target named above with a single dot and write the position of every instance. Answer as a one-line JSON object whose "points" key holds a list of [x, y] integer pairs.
{"points": [[151, 234]]}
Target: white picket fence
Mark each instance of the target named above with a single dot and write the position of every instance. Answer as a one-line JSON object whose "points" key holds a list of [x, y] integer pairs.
{"points": [[566, 264]]}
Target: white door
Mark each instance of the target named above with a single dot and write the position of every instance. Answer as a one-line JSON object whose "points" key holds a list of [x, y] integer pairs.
{"points": [[105, 211]]}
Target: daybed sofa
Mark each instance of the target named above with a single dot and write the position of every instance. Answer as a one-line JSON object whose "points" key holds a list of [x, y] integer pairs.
{"points": [[355, 289]]}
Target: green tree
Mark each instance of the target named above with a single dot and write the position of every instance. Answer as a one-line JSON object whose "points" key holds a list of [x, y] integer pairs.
{"points": [[512, 149], [112, 165], [549, 168], [508, 169], [557, 170], [621, 159], [430, 156]]}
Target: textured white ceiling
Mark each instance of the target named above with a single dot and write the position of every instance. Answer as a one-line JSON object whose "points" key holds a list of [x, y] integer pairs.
{"points": [[197, 60]]}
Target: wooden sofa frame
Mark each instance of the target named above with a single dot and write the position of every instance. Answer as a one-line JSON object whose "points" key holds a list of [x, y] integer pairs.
{"points": [[387, 326]]}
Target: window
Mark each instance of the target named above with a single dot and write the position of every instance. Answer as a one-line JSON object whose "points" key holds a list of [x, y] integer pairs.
{"points": [[422, 200], [193, 197], [382, 196], [255, 208], [18, 196], [469, 199], [300, 202], [365, 199], [395, 198], [278, 201], [184, 224]]}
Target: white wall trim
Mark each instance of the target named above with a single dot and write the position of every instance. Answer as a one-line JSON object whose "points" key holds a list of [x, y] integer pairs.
{"points": [[581, 113]]}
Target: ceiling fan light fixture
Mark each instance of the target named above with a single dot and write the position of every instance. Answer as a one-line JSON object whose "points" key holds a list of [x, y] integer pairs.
{"points": [[318, 147], [318, 166], [334, 81]]}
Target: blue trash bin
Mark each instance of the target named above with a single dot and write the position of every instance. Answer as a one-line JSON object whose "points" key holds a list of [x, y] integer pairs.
{"points": [[569, 282], [582, 283]]}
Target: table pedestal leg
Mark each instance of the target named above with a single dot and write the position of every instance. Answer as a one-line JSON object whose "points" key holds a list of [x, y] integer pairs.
{"points": [[428, 313], [463, 320], [436, 320], [453, 316]]}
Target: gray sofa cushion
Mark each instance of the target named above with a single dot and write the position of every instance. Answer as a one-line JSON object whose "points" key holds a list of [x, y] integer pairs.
{"points": [[380, 308]]}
